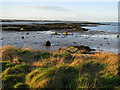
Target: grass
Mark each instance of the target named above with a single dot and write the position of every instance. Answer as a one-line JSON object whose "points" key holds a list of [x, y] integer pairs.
{"points": [[26, 68]]}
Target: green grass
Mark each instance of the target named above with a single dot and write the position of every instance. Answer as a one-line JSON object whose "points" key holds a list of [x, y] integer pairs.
{"points": [[21, 86], [10, 80], [27, 68]]}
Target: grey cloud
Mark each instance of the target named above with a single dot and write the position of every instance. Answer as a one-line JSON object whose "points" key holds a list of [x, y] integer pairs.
{"points": [[53, 8]]}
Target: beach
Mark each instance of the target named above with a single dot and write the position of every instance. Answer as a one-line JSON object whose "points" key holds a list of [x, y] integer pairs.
{"points": [[99, 37]]}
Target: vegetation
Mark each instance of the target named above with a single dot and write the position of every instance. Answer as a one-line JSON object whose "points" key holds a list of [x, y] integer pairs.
{"points": [[26, 68]]}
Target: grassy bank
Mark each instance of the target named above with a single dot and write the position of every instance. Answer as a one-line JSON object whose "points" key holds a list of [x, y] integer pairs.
{"points": [[27, 68]]}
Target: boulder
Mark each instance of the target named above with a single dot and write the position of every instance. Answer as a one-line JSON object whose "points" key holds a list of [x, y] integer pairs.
{"points": [[48, 43], [117, 36]]}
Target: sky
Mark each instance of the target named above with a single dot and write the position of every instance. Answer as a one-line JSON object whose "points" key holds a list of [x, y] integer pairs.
{"points": [[70, 11]]}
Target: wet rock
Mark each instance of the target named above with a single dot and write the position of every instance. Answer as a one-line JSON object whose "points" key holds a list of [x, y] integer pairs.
{"points": [[117, 36], [75, 42], [35, 42], [48, 43], [105, 38], [82, 47], [1, 38], [92, 40], [79, 49], [22, 37], [55, 33], [65, 33], [27, 33]]}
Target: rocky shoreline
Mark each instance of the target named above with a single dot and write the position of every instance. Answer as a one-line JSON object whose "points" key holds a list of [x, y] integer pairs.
{"points": [[68, 26]]}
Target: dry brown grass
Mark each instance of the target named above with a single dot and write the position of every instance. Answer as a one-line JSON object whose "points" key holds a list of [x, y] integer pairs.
{"points": [[7, 52], [90, 67]]}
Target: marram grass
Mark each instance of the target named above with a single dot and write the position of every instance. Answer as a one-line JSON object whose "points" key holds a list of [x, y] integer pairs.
{"points": [[27, 68]]}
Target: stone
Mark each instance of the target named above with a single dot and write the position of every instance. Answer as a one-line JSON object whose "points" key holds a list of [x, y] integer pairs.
{"points": [[22, 37], [65, 33], [48, 43], [117, 36]]}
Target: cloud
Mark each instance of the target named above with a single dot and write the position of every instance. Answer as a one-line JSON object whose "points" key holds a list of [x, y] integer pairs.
{"points": [[52, 8]]}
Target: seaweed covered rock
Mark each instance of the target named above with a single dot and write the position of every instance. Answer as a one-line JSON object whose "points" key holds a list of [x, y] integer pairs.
{"points": [[83, 49]]}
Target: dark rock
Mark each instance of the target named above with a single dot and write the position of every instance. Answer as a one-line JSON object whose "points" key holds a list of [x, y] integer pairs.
{"points": [[105, 38], [35, 42], [27, 33], [22, 37], [74, 42], [48, 43], [117, 36], [81, 47], [55, 33]]}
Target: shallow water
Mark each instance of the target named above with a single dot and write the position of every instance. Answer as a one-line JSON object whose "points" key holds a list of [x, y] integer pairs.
{"points": [[37, 40], [113, 27]]}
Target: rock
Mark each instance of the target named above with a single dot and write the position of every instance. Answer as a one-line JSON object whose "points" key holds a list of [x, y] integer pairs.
{"points": [[65, 33], [105, 38], [117, 36], [27, 33], [75, 42], [22, 37], [21, 28], [55, 33], [48, 43], [35, 42], [1, 38], [81, 47]]}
